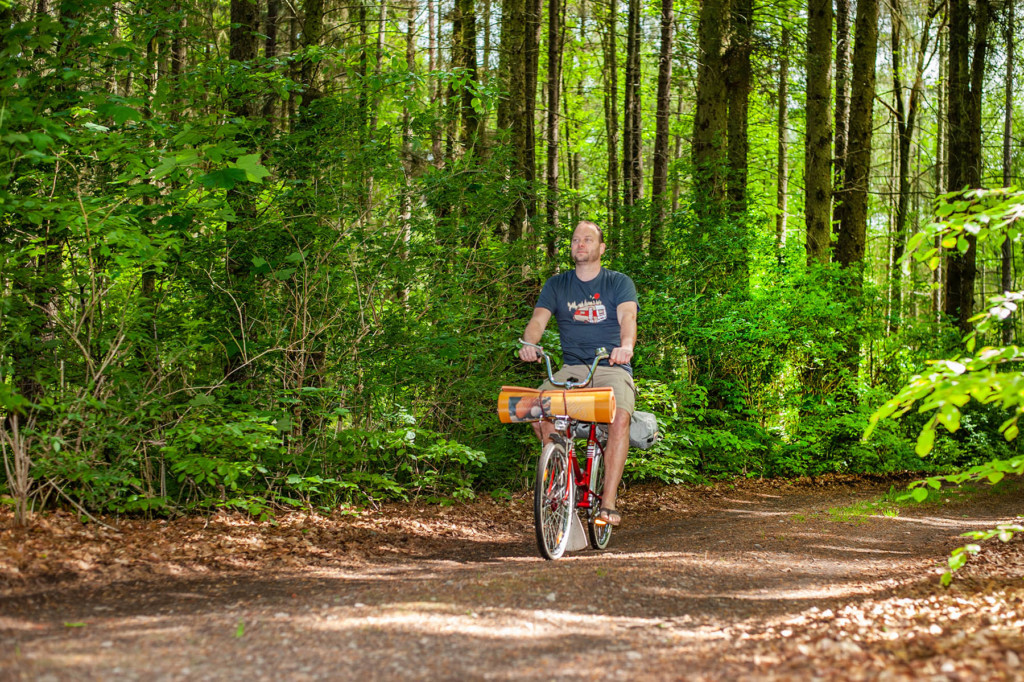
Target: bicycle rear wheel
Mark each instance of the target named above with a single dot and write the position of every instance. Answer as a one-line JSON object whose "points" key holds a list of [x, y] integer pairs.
{"points": [[554, 500], [600, 534]]}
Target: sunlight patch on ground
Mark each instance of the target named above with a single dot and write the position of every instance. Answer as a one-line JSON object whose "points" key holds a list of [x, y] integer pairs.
{"points": [[944, 522], [859, 550], [804, 594], [755, 514], [490, 623], [18, 624]]}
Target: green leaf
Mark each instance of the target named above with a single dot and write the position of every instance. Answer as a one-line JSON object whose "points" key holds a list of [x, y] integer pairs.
{"points": [[225, 178], [240, 630], [253, 169], [925, 441], [122, 114], [995, 477], [202, 400], [957, 561], [283, 274], [74, 625], [919, 494]]}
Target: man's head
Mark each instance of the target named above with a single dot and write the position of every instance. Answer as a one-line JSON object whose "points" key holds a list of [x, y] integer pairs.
{"points": [[587, 243]]}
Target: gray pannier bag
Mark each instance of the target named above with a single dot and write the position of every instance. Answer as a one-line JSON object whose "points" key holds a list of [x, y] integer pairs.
{"points": [[643, 430]]}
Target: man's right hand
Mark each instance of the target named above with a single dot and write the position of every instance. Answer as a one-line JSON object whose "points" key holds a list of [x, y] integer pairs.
{"points": [[529, 354]]}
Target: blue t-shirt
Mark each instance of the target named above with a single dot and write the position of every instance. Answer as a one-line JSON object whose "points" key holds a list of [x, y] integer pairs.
{"points": [[587, 312]]}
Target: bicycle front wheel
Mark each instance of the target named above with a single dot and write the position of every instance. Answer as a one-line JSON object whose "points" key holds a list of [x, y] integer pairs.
{"points": [[600, 534], [554, 500]]}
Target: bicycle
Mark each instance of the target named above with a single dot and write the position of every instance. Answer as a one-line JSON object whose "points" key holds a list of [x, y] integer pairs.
{"points": [[563, 486]]}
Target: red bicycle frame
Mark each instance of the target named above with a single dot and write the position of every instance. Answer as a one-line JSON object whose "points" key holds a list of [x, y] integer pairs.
{"points": [[585, 498]]}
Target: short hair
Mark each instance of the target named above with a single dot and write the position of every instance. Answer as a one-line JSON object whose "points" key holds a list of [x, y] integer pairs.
{"points": [[590, 223]]}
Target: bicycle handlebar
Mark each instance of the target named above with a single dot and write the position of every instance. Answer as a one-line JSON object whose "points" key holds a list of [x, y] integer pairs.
{"points": [[569, 383]]}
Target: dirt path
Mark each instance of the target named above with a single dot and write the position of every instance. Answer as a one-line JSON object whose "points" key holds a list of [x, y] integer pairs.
{"points": [[760, 581]]}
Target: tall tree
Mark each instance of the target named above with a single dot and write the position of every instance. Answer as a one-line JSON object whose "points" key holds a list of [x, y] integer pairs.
{"points": [[554, 93], [782, 133], [433, 84], [312, 32], [245, 24], [853, 214], [611, 114], [906, 107], [818, 143], [518, 70], [270, 50], [842, 77], [941, 164], [967, 59], [738, 86], [632, 149], [710, 124], [659, 172], [1006, 250], [467, 39]]}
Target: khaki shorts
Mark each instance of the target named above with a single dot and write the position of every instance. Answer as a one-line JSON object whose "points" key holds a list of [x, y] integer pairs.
{"points": [[617, 378]]}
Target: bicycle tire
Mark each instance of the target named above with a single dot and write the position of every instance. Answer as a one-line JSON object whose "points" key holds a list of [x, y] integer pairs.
{"points": [[600, 535], [554, 500]]}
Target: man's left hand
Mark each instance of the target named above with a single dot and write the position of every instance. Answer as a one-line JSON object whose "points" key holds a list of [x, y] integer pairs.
{"points": [[620, 356]]}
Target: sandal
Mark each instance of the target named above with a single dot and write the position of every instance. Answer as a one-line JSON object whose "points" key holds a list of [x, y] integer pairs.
{"points": [[608, 516]]}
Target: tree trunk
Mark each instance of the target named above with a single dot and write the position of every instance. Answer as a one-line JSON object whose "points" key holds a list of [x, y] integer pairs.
{"points": [[966, 74], [818, 143], [433, 84], [245, 24], [1006, 250], [467, 45], [853, 214], [677, 148], [611, 117], [312, 30], [906, 120], [738, 86], [738, 79], [485, 67], [782, 133], [941, 103], [518, 67], [532, 53], [632, 151], [407, 154], [659, 172], [270, 50], [554, 93], [710, 117], [842, 113], [382, 21]]}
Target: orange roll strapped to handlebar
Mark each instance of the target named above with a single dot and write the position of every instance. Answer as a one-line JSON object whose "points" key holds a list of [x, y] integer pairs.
{"points": [[517, 404]]}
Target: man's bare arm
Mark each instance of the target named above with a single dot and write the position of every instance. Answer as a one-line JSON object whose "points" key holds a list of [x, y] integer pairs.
{"points": [[534, 330], [627, 337]]}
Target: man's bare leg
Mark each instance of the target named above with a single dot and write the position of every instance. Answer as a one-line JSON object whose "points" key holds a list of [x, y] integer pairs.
{"points": [[615, 457], [543, 429]]}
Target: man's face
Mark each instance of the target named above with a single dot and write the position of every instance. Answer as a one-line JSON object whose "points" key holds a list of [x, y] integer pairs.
{"points": [[586, 245]]}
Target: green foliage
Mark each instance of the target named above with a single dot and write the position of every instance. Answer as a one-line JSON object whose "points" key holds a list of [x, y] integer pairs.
{"points": [[986, 375], [314, 303], [673, 459]]}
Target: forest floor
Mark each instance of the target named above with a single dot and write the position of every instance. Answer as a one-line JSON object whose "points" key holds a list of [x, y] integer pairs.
{"points": [[771, 580]]}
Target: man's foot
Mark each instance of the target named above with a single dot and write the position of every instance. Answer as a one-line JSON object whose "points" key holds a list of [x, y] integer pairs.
{"points": [[608, 516]]}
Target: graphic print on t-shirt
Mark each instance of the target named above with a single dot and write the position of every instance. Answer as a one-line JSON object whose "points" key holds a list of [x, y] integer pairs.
{"points": [[591, 310]]}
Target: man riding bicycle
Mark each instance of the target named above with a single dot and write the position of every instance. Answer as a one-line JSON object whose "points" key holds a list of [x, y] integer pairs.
{"points": [[594, 307]]}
